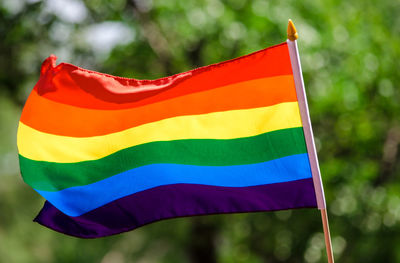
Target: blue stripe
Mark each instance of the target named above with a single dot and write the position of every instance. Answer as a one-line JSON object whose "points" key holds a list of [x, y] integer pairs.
{"points": [[78, 200]]}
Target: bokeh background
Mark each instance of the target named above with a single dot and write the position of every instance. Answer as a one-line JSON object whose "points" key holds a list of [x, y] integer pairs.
{"points": [[350, 52]]}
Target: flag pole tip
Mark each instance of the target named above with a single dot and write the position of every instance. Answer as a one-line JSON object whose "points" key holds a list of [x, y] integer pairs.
{"points": [[291, 31]]}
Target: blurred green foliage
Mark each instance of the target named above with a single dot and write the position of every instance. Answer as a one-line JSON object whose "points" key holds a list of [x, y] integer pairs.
{"points": [[350, 54]]}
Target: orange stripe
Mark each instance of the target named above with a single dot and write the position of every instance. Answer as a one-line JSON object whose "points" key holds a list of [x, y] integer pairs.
{"points": [[60, 119], [79, 87]]}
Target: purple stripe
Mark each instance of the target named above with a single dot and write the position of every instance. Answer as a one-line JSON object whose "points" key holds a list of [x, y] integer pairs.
{"points": [[178, 200]]}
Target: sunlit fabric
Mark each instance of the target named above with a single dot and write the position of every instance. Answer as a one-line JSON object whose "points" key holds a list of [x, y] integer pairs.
{"points": [[110, 154]]}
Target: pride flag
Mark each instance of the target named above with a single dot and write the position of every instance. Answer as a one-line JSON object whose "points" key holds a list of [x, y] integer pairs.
{"points": [[110, 154]]}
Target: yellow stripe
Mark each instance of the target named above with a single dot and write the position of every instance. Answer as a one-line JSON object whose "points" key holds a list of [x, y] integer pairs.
{"points": [[41, 146]]}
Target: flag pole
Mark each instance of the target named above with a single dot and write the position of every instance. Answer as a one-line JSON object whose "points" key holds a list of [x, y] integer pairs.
{"points": [[308, 134]]}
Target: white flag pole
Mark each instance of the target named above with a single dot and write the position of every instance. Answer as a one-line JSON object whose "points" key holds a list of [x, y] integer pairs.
{"points": [[308, 133]]}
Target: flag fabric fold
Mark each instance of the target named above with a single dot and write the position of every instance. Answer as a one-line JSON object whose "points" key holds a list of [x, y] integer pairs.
{"points": [[110, 154]]}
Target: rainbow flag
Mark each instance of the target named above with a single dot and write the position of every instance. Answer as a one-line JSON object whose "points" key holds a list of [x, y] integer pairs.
{"points": [[110, 154]]}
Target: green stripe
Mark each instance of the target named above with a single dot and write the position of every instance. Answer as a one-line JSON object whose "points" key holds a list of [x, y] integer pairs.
{"points": [[49, 176]]}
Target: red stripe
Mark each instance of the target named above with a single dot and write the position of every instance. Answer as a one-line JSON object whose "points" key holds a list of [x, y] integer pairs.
{"points": [[75, 86]]}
